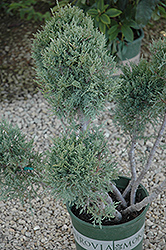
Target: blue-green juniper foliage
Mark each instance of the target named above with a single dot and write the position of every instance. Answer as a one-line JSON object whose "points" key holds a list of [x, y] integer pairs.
{"points": [[79, 171], [139, 96], [20, 165], [72, 63]]}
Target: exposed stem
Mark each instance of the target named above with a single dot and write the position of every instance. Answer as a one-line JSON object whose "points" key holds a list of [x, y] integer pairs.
{"points": [[132, 165], [117, 214], [149, 161], [108, 199], [132, 156], [118, 195], [138, 206], [128, 188]]}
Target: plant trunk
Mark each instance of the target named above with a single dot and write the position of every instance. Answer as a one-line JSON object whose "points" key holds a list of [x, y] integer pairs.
{"points": [[146, 200], [132, 165], [149, 161]]}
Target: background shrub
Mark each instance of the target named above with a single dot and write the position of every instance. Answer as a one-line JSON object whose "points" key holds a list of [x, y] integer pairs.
{"points": [[28, 9]]}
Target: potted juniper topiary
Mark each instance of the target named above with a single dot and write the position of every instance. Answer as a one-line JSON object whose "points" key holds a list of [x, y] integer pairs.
{"points": [[74, 72]]}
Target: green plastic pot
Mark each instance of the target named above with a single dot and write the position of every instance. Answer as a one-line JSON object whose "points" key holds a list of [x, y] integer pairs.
{"points": [[130, 53], [132, 49], [128, 236]]}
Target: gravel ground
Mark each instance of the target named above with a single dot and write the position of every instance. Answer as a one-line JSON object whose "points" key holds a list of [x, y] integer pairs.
{"points": [[49, 225]]}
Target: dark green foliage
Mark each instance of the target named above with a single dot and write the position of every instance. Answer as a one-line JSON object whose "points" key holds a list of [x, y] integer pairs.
{"points": [[19, 164], [73, 66], [141, 96], [144, 11], [26, 9], [80, 169], [160, 11]]}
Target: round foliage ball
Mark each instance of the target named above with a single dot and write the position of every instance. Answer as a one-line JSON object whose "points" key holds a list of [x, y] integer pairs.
{"points": [[72, 63]]}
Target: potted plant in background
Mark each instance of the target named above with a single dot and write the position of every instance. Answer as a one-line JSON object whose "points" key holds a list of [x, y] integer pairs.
{"points": [[74, 71], [121, 21]]}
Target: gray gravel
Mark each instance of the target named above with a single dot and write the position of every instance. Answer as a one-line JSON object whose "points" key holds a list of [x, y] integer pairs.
{"points": [[49, 226]]}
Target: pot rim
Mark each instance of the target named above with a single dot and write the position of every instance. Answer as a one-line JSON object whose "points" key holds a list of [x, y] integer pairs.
{"points": [[118, 225], [139, 38]]}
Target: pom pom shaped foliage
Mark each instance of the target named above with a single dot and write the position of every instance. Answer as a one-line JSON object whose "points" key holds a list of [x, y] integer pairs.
{"points": [[80, 169], [139, 96], [72, 63], [19, 164]]}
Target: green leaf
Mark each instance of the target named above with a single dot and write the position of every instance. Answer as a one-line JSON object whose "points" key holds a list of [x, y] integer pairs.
{"points": [[47, 16], [29, 16], [123, 4], [127, 32], [113, 12], [15, 6], [97, 18], [92, 12], [164, 15], [155, 16], [105, 19], [124, 49], [114, 48], [163, 4], [22, 13], [102, 27], [61, 4], [30, 13], [113, 29], [105, 7], [133, 24], [119, 53], [144, 11], [100, 4], [29, 2], [162, 11], [113, 35]]}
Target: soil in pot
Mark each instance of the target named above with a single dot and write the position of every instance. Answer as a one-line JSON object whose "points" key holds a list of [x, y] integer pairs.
{"points": [[126, 218]]}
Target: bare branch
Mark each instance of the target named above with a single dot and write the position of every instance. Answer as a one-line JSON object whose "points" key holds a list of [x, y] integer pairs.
{"points": [[108, 199], [149, 161], [118, 195], [128, 188], [138, 206], [132, 157], [117, 214], [132, 165]]}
